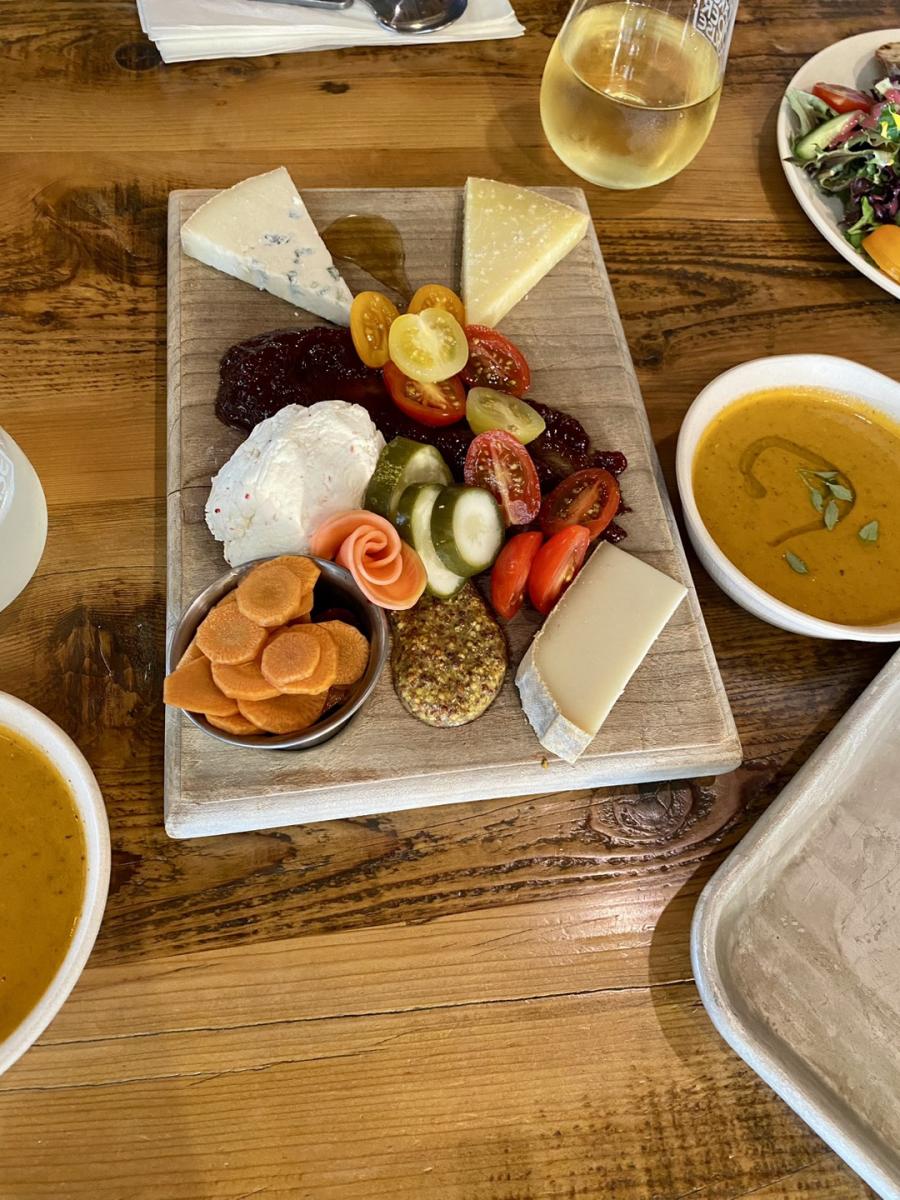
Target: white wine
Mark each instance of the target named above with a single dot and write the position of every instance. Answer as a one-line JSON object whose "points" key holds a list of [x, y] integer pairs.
{"points": [[629, 94]]}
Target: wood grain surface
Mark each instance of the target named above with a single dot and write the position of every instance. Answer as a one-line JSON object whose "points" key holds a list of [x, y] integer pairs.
{"points": [[673, 720], [490, 1001]]}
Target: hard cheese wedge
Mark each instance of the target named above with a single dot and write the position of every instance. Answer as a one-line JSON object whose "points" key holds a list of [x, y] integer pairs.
{"points": [[259, 231], [512, 238], [589, 647]]}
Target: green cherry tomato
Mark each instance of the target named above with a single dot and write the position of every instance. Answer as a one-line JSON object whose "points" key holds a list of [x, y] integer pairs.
{"points": [[488, 409]]}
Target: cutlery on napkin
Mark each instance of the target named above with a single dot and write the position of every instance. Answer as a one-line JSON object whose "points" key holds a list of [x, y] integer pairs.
{"points": [[195, 29]]}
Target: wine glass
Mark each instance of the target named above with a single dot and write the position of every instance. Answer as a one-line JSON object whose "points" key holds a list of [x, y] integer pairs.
{"points": [[630, 90]]}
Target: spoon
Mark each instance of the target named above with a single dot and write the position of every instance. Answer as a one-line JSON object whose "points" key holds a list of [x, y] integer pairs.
{"points": [[416, 16], [400, 16]]}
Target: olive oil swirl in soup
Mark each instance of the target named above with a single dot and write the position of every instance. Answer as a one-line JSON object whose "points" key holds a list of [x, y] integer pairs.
{"points": [[800, 488]]}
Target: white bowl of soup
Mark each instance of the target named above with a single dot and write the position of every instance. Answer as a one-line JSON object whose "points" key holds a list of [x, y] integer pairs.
{"points": [[789, 473], [54, 871]]}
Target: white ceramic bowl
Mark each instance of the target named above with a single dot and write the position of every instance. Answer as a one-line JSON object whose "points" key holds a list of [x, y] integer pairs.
{"points": [[852, 63], [785, 370], [72, 765]]}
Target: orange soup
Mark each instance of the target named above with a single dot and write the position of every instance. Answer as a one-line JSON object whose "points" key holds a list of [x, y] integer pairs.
{"points": [[800, 488], [42, 875]]}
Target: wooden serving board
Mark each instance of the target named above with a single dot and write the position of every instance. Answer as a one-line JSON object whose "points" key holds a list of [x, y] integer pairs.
{"points": [[673, 720]]}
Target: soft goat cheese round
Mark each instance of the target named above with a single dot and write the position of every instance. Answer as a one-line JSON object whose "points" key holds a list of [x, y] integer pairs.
{"points": [[294, 470]]}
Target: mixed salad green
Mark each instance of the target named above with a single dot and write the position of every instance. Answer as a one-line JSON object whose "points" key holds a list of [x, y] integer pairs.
{"points": [[848, 141]]}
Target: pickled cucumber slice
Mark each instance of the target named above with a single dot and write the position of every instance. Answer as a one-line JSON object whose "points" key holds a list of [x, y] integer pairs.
{"points": [[467, 529], [413, 520], [401, 463]]}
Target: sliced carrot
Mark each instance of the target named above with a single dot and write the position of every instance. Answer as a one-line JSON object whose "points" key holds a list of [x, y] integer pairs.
{"points": [[193, 651], [243, 682], [321, 679], [226, 636], [353, 652], [236, 724], [292, 656], [193, 688], [270, 595], [283, 714], [305, 606], [304, 568]]}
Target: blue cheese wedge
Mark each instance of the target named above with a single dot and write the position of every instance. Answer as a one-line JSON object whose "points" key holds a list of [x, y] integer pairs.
{"points": [[260, 232], [589, 647], [512, 237]]}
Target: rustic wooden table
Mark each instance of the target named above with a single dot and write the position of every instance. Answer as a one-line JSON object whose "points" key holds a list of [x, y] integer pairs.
{"points": [[491, 1001]]}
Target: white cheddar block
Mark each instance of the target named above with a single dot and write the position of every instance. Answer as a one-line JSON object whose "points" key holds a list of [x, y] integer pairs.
{"points": [[260, 232], [590, 646], [512, 238]]}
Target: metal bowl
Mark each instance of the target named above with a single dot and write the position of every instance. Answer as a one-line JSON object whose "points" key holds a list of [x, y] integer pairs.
{"points": [[334, 589]]}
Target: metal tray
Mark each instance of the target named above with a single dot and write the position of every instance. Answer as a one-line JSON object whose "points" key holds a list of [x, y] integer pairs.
{"points": [[795, 943]]}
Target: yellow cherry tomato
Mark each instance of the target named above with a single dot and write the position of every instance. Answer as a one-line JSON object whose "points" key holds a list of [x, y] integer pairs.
{"points": [[883, 247], [371, 318], [428, 346], [435, 295]]}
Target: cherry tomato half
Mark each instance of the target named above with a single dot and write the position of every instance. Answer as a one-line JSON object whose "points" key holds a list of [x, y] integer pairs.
{"points": [[371, 318], [435, 295], [555, 566], [495, 362], [589, 498], [501, 465], [428, 346], [487, 409], [509, 575], [843, 99], [432, 404]]}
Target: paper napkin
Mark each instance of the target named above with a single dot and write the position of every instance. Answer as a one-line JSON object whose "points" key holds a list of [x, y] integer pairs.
{"points": [[192, 29]]}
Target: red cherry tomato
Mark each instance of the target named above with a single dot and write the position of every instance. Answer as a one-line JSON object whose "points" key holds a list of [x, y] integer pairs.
{"points": [[555, 565], [433, 404], [843, 99], [510, 573], [589, 498], [495, 362], [500, 463]]}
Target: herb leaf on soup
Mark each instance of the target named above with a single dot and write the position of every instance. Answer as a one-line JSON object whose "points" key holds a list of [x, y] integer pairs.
{"points": [[869, 532], [824, 492], [796, 563]]}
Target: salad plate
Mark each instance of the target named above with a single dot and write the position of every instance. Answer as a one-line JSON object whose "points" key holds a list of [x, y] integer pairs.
{"points": [[849, 63]]}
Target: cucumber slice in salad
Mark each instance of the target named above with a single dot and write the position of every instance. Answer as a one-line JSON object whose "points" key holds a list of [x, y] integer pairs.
{"points": [[401, 463], [467, 529], [413, 520]]}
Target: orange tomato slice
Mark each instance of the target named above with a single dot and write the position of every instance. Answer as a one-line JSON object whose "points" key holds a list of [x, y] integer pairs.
{"points": [[883, 247], [435, 295], [428, 346], [371, 318]]}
